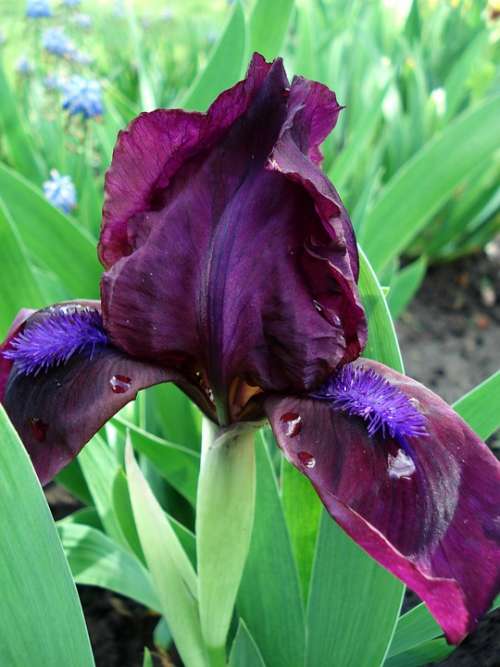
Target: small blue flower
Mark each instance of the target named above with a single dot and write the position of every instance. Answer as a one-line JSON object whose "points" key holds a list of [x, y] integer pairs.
{"points": [[56, 42], [83, 21], [81, 57], [24, 66], [82, 96], [60, 191], [38, 9], [53, 82]]}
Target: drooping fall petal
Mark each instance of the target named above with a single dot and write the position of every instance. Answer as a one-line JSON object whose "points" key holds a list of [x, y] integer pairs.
{"points": [[5, 363], [62, 380], [426, 506], [229, 252]]}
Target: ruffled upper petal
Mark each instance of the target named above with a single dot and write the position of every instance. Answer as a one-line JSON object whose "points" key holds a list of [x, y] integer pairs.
{"points": [[426, 507], [152, 149], [240, 263], [56, 399]]}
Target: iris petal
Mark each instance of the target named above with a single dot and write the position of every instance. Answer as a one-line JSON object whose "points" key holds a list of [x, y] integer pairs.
{"points": [[57, 410], [427, 509], [240, 262]]}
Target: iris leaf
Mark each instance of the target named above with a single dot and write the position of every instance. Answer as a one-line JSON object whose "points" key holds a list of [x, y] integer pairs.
{"points": [[481, 407], [456, 84], [123, 511], [16, 137], [360, 136], [99, 467], [351, 596], [224, 65], [171, 571], [95, 560], [72, 479], [18, 289], [124, 514], [382, 341], [405, 285], [269, 25], [427, 181], [302, 508], [147, 94], [432, 651], [177, 464], [177, 418], [147, 660], [244, 651], [42, 621], [269, 599]]}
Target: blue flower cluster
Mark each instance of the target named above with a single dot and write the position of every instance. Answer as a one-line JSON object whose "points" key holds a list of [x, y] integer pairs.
{"points": [[56, 42], [60, 191], [38, 9], [82, 96]]}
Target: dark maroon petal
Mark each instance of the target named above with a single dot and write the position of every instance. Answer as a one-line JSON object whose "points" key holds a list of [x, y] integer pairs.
{"points": [[241, 267], [153, 148], [6, 364], [59, 409], [332, 255], [427, 509]]}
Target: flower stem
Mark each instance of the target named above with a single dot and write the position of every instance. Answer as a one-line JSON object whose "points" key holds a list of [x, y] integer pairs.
{"points": [[224, 519]]}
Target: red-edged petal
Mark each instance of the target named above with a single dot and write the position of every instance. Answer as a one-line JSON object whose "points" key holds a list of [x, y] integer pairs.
{"points": [[243, 263], [59, 409], [429, 512], [6, 364]]}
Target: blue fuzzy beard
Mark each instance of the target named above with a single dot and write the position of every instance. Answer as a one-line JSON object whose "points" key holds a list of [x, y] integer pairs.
{"points": [[385, 408], [52, 341]]}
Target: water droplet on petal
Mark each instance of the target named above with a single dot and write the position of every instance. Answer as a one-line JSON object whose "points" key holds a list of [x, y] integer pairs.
{"points": [[307, 460], [120, 384], [38, 428], [336, 320], [318, 306], [293, 423], [400, 466]]}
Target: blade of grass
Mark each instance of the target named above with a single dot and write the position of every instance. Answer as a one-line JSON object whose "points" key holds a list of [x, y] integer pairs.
{"points": [[40, 614], [224, 65], [426, 182]]}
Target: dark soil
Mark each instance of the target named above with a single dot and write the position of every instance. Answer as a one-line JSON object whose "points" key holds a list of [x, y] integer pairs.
{"points": [[450, 335], [450, 338]]}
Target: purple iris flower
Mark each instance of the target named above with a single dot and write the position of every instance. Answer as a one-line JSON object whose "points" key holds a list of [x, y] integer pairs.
{"points": [[231, 269]]}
